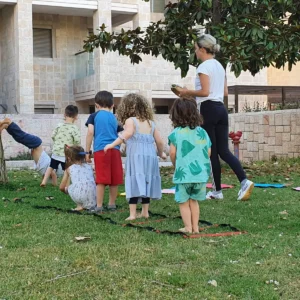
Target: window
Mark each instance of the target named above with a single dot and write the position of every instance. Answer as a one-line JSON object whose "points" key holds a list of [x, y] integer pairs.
{"points": [[42, 43], [46, 110], [161, 110], [92, 109], [157, 6]]}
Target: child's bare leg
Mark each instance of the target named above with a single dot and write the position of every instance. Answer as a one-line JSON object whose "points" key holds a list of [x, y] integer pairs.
{"points": [[36, 153], [186, 216], [145, 208], [145, 211], [195, 211], [113, 193], [132, 210], [100, 194], [46, 176], [54, 178]]}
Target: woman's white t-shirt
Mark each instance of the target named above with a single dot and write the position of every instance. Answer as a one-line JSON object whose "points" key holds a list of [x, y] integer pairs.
{"points": [[216, 73]]}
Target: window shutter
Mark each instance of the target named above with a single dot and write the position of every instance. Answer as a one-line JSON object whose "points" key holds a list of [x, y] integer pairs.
{"points": [[157, 6], [48, 111], [42, 42]]}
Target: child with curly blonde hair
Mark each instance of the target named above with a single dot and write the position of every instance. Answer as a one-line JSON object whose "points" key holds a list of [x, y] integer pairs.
{"points": [[142, 177]]}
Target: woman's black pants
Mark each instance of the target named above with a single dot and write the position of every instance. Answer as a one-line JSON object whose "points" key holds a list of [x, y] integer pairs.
{"points": [[216, 125]]}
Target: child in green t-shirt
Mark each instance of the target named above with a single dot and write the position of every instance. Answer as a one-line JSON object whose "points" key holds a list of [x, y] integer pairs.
{"points": [[189, 153]]}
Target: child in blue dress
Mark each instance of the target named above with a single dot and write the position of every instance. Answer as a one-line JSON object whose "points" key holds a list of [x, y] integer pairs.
{"points": [[189, 153], [142, 175]]}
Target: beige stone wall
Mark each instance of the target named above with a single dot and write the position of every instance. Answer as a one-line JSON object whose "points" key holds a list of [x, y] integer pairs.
{"points": [[265, 134], [43, 125], [152, 74], [53, 77]]}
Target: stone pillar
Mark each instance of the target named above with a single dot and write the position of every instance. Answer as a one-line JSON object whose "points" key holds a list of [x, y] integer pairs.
{"points": [[7, 60], [102, 15], [143, 17], [24, 56]]}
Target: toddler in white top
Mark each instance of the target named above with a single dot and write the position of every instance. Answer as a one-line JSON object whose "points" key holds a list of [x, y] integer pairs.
{"points": [[83, 187]]}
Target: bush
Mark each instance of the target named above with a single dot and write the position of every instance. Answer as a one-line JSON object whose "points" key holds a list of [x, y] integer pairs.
{"points": [[21, 156]]}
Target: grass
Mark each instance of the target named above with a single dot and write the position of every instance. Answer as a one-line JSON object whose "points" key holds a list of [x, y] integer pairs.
{"points": [[41, 260]]}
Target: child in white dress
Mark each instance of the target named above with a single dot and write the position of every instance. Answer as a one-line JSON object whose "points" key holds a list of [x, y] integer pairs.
{"points": [[83, 187]]}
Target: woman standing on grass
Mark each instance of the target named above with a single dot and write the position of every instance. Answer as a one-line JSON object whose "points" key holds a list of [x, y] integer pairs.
{"points": [[210, 89]]}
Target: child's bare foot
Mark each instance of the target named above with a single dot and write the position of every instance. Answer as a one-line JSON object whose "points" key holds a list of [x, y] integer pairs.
{"points": [[6, 121], [130, 218], [78, 208], [140, 215], [196, 230], [43, 184], [3, 126], [184, 230]]}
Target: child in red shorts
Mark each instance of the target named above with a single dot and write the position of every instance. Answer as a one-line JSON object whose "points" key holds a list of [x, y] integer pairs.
{"points": [[108, 166]]}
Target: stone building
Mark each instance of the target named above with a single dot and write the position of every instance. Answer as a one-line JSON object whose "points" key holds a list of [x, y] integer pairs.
{"points": [[43, 69]]}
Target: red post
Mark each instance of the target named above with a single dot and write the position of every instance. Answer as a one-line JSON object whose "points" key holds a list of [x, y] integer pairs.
{"points": [[235, 137]]}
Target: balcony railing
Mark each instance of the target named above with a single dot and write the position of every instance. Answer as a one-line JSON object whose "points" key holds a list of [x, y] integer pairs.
{"points": [[84, 64]]}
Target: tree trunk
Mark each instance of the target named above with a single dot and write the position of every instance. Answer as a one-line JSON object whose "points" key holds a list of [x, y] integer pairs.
{"points": [[216, 12], [3, 173]]}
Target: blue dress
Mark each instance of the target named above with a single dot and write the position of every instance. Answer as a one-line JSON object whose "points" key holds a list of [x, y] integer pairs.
{"points": [[142, 175]]}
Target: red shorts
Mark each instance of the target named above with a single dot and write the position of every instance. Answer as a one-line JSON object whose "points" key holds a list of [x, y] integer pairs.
{"points": [[108, 167]]}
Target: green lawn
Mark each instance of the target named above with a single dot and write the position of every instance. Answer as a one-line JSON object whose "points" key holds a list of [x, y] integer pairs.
{"points": [[40, 258]]}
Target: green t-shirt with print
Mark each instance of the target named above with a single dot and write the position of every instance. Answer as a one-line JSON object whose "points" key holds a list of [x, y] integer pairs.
{"points": [[66, 133], [192, 159]]}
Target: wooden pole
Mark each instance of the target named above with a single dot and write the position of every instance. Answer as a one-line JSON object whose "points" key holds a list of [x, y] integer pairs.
{"points": [[3, 172], [236, 100], [282, 96]]}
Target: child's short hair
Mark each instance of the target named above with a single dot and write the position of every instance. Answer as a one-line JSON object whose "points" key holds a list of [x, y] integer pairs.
{"points": [[134, 105], [105, 99], [71, 111], [184, 113], [74, 154]]}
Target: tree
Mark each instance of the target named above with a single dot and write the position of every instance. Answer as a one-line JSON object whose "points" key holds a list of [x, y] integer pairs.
{"points": [[253, 34], [3, 173]]}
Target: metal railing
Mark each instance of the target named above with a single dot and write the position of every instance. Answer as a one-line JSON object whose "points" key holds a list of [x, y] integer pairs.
{"points": [[84, 64]]}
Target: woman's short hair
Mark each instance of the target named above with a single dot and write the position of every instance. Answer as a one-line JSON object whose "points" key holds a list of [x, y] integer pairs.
{"points": [[209, 43]]}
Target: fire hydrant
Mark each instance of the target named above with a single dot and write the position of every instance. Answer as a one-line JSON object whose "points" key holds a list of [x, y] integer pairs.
{"points": [[236, 136]]}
